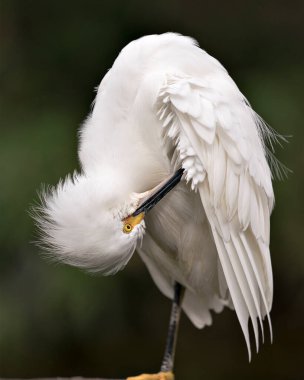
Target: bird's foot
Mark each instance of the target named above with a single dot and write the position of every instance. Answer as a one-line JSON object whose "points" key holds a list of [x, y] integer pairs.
{"points": [[156, 376]]}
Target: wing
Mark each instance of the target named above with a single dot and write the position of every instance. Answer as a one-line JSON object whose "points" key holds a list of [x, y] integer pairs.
{"points": [[217, 138]]}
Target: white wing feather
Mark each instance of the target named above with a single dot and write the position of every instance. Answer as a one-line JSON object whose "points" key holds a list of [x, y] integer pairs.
{"points": [[219, 145]]}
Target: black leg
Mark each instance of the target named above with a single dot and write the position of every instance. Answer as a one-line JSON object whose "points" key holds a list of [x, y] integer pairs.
{"points": [[168, 360]]}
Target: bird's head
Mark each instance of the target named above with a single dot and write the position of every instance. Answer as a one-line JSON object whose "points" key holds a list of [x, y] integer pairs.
{"points": [[87, 221]]}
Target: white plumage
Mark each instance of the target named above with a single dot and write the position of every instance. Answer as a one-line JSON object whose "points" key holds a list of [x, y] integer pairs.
{"points": [[164, 104]]}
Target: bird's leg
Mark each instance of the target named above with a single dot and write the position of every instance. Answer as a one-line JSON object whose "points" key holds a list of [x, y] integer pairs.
{"points": [[168, 359], [166, 370]]}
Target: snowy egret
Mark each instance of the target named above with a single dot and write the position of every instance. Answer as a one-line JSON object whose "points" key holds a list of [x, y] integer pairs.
{"points": [[170, 124]]}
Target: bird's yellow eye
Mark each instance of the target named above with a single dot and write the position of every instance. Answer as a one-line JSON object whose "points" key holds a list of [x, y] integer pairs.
{"points": [[131, 221], [127, 228]]}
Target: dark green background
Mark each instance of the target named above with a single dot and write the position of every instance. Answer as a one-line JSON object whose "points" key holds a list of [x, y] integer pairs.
{"points": [[56, 320]]}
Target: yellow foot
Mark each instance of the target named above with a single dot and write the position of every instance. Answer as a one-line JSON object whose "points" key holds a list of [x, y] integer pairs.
{"points": [[156, 376]]}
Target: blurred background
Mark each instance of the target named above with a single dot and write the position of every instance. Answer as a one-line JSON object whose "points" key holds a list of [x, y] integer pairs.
{"points": [[60, 321]]}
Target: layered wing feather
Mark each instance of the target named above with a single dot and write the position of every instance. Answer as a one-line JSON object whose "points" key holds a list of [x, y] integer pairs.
{"points": [[218, 142]]}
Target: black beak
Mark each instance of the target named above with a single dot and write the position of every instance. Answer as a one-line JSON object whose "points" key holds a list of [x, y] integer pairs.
{"points": [[155, 198]]}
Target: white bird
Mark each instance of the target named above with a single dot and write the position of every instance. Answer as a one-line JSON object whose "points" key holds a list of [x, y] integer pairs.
{"points": [[164, 105]]}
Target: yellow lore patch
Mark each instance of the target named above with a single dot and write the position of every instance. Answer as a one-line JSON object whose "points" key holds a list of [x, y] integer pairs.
{"points": [[131, 221]]}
